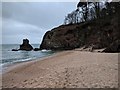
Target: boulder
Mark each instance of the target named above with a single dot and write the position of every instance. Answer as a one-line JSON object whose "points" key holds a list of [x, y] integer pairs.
{"points": [[36, 49], [14, 49], [25, 45]]}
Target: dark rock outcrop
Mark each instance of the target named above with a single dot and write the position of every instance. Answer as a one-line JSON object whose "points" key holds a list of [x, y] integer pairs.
{"points": [[99, 33], [60, 39], [114, 47], [25, 45], [14, 49], [36, 49]]}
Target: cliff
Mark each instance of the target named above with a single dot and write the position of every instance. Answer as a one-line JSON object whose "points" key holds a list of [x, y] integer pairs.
{"points": [[98, 34]]}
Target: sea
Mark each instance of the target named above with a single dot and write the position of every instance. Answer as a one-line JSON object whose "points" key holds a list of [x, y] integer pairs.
{"points": [[10, 57]]}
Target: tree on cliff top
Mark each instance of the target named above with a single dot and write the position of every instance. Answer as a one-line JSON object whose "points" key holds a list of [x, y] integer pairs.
{"points": [[89, 10]]}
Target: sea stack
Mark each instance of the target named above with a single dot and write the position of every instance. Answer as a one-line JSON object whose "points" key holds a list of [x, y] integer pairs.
{"points": [[25, 45]]}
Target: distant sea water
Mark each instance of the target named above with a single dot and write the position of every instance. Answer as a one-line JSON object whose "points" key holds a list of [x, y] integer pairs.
{"points": [[12, 57]]}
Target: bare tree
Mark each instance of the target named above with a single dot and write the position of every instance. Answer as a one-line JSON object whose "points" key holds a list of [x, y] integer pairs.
{"points": [[89, 10], [72, 17]]}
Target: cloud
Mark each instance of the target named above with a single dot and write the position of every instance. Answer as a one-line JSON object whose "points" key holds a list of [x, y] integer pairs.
{"points": [[32, 19], [15, 31], [43, 14]]}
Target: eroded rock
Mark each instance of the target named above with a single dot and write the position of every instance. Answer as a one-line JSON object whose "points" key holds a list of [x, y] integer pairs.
{"points": [[25, 45]]}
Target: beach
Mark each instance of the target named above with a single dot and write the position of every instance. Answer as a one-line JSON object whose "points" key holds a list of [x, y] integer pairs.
{"points": [[65, 69]]}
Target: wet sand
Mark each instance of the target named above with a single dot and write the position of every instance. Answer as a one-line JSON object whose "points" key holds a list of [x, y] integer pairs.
{"points": [[67, 69]]}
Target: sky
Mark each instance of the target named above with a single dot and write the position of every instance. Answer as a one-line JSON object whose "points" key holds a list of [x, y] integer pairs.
{"points": [[21, 20]]}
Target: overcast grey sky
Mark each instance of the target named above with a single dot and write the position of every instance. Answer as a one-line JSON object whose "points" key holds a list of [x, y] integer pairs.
{"points": [[32, 19]]}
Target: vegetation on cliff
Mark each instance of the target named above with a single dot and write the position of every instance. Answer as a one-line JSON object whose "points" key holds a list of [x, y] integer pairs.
{"points": [[92, 24]]}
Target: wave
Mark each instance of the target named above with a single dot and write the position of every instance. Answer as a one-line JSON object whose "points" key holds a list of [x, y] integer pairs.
{"points": [[11, 57], [44, 50]]}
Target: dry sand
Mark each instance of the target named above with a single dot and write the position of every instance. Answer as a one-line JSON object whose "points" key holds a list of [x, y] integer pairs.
{"points": [[70, 69]]}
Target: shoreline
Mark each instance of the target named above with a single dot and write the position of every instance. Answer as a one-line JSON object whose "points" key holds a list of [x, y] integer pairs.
{"points": [[71, 69], [9, 67], [12, 66]]}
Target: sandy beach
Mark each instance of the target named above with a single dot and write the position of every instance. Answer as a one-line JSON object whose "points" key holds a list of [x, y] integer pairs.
{"points": [[67, 69]]}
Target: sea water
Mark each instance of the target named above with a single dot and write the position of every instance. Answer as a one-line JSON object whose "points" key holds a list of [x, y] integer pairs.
{"points": [[10, 57]]}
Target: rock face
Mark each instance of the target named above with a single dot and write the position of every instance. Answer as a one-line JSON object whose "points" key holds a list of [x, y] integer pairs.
{"points": [[25, 45], [97, 33], [63, 37], [114, 47]]}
